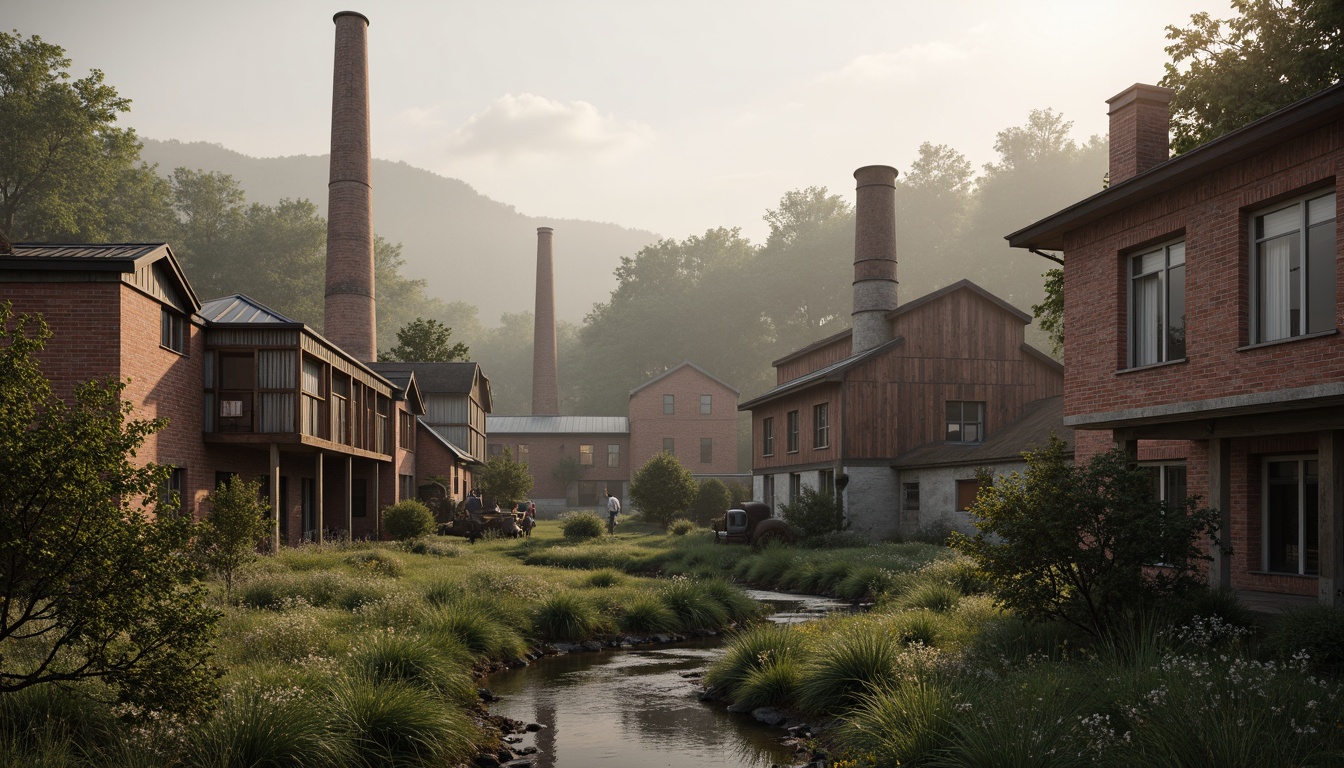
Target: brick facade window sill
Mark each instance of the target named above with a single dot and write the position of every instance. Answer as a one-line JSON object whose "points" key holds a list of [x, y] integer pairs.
{"points": [[1164, 364], [1289, 340], [1287, 575]]}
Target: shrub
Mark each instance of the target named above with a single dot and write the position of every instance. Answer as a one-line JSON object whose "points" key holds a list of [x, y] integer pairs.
{"points": [[565, 616], [812, 514], [734, 601], [712, 499], [579, 526], [237, 523], [379, 562], [662, 489], [406, 658], [864, 581], [694, 607], [752, 651], [929, 595], [1318, 630], [478, 627], [1037, 535], [408, 519], [681, 526], [604, 578], [773, 685], [908, 724]]}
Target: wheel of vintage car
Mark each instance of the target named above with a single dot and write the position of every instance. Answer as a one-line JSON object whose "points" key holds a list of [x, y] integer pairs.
{"points": [[772, 532]]}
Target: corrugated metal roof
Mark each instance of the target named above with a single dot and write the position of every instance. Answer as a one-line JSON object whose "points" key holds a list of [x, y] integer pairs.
{"points": [[1031, 431], [241, 309], [557, 425], [100, 252]]}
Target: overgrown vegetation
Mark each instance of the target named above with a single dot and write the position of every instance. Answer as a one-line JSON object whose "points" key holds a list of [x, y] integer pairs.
{"points": [[663, 489], [408, 519]]}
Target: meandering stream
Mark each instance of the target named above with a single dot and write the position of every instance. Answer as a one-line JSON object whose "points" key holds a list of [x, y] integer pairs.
{"points": [[635, 707]]}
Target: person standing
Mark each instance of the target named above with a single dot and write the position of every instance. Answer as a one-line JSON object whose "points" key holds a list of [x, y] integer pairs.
{"points": [[613, 509]]}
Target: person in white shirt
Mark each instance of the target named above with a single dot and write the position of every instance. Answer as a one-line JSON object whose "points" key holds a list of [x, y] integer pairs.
{"points": [[613, 509]]}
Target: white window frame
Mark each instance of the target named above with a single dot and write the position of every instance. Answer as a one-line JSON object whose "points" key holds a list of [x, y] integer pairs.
{"points": [[1314, 212], [821, 426], [1156, 279], [768, 436]]}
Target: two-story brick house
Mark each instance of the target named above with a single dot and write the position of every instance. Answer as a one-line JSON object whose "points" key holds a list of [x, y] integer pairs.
{"points": [[1202, 307], [689, 413]]}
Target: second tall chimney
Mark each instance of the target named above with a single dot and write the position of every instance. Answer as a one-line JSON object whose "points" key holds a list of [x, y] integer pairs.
{"points": [[874, 256], [348, 317], [545, 378]]}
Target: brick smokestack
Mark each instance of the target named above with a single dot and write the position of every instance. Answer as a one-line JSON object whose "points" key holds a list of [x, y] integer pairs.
{"points": [[1140, 123], [545, 378], [348, 320], [874, 256]]}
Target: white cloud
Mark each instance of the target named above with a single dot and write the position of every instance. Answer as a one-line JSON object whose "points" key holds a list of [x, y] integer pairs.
{"points": [[905, 64], [530, 125]]}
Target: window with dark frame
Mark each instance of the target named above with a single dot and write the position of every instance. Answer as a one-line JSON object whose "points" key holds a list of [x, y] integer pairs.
{"points": [[1293, 269], [792, 431], [826, 481], [172, 331], [795, 486], [965, 421], [1291, 516], [768, 436], [910, 496], [1157, 305], [669, 405], [821, 425]]}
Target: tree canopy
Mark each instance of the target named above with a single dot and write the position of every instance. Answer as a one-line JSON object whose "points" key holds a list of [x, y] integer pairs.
{"points": [[663, 489], [95, 583], [1229, 72], [425, 341]]}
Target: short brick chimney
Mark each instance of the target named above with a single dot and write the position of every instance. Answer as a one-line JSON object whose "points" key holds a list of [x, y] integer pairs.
{"points": [[874, 256], [1140, 127], [545, 378], [348, 318]]}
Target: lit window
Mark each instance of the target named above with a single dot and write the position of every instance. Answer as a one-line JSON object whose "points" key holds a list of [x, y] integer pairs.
{"points": [[1157, 305], [706, 405], [965, 422], [821, 426], [586, 455], [1293, 269]]}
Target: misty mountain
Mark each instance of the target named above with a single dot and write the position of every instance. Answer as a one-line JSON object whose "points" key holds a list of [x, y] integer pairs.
{"points": [[468, 247]]}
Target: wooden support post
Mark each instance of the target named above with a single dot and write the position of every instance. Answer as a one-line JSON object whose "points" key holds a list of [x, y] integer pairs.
{"points": [[275, 499], [318, 501], [1330, 490], [1220, 499], [350, 498]]}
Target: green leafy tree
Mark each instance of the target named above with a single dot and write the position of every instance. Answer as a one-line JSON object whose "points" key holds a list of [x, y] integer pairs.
{"points": [[812, 514], [1079, 542], [425, 341], [93, 585], [1229, 72], [67, 172], [662, 489], [238, 522], [711, 500], [569, 470], [1049, 313], [504, 479]]}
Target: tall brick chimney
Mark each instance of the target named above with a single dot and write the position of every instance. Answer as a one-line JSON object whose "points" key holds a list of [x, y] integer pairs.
{"points": [[348, 320], [545, 378], [874, 256], [1140, 123]]}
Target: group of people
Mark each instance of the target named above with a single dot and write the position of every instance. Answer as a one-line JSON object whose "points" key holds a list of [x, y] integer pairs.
{"points": [[474, 508]]}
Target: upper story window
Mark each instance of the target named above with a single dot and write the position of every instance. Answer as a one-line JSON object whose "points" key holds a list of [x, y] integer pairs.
{"points": [[821, 425], [1293, 269], [524, 452], [669, 405], [706, 404], [613, 455], [173, 331], [792, 430], [670, 445], [965, 421], [586, 455], [1157, 305], [768, 436]]}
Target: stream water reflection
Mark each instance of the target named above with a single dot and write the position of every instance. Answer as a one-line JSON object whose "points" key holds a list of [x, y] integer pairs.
{"points": [[635, 707]]}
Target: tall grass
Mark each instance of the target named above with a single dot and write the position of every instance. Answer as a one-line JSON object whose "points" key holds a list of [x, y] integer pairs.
{"points": [[442, 669], [752, 651], [909, 723], [858, 662], [255, 727], [391, 724], [475, 626], [647, 614], [694, 607], [566, 616]]}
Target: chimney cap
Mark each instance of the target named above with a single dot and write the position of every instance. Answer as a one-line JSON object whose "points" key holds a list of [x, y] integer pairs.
{"points": [[1140, 92], [339, 14], [880, 175], [545, 229]]}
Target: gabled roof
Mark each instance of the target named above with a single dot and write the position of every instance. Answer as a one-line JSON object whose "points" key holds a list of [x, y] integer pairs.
{"points": [[831, 373], [683, 364], [404, 388], [458, 453], [241, 309], [1031, 430], [456, 378], [814, 345], [557, 425], [1276, 128], [100, 257], [960, 285]]}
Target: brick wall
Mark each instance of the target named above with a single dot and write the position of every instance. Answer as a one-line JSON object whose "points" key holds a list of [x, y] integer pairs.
{"points": [[687, 426]]}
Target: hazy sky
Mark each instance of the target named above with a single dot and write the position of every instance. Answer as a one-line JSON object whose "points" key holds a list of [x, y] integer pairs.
{"points": [[672, 116]]}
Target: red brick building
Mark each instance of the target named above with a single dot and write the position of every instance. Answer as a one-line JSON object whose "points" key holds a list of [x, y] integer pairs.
{"points": [[1202, 302], [244, 389], [688, 413]]}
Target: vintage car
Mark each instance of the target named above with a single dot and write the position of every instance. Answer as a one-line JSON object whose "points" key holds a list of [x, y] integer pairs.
{"points": [[751, 523], [491, 521]]}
